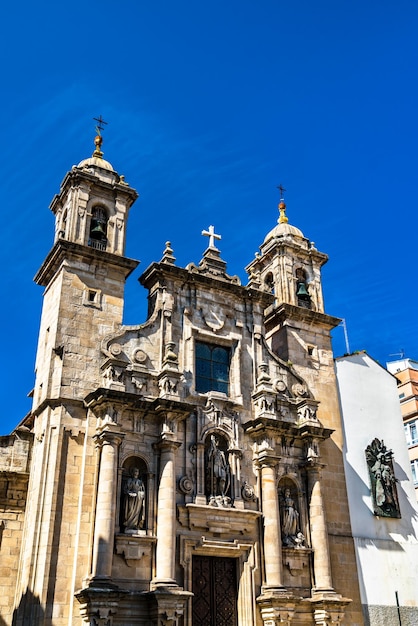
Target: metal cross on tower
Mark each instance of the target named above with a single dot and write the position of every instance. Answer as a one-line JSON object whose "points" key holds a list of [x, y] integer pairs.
{"points": [[281, 189], [212, 236], [100, 121]]}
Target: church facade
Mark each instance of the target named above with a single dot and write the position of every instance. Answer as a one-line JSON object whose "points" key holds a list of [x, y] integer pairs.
{"points": [[186, 471]]}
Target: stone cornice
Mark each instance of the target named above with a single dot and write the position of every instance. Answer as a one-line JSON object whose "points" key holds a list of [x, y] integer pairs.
{"points": [[64, 249], [53, 403], [215, 519], [102, 396], [288, 312], [162, 271], [76, 175], [256, 427]]}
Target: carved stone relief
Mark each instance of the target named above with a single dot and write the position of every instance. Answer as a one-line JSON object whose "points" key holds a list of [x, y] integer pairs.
{"points": [[382, 479]]}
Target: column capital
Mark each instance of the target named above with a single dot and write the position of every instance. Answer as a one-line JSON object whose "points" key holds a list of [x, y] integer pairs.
{"points": [[267, 458], [167, 442], [108, 437], [314, 467]]}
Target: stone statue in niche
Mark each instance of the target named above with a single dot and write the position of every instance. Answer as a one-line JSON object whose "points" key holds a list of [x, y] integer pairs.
{"points": [[382, 480], [292, 536], [218, 474], [133, 518]]}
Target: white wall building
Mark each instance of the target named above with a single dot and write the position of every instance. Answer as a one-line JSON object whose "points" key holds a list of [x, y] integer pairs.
{"points": [[386, 547]]}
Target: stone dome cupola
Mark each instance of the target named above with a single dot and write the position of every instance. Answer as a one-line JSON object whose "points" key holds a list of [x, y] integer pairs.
{"points": [[289, 266], [92, 206]]}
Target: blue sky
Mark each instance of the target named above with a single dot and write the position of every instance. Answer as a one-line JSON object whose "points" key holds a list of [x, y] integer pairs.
{"points": [[209, 107]]}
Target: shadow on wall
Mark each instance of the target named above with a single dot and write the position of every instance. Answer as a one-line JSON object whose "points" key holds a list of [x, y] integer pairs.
{"points": [[28, 612]]}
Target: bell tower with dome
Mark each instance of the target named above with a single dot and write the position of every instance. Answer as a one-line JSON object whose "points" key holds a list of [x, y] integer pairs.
{"points": [[290, 266], [93, 204], [84, 275]]}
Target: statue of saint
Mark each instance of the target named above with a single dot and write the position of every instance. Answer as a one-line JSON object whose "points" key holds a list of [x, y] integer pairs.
{"points": [[290, 519], [218, 470], [382, 478], [133, 502]]}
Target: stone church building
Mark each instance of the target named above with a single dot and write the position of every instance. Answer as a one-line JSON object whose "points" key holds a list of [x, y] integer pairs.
{"points": [[186, 471]]}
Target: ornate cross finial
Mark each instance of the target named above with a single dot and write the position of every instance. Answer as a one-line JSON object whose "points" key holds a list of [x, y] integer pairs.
{"points": [[281, 189], [282, 206], [212, 236], [98, 140], [100, 121]]}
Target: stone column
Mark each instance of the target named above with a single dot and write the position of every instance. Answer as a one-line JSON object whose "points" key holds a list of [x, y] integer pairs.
{"points": [[276, 604], [166, 514], [319, 535], [271, 520], [104, 529]]}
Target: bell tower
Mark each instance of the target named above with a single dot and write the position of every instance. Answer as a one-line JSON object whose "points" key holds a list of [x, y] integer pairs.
{"points": [[297, 330], [289, 266], [84, 276], [92, 206]]}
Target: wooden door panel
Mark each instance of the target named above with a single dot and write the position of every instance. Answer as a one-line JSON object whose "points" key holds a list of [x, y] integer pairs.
{"points": [[215, 591]]}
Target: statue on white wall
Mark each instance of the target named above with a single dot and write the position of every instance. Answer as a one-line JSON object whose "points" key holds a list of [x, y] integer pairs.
{"points": [[382, 478]]}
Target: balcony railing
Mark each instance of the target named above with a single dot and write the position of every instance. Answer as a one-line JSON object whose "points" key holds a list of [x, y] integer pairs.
{"points": [[97, 245]]}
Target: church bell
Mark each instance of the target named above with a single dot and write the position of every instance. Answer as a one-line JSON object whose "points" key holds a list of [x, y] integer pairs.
{"points": [[302, 291], [98, 231]]}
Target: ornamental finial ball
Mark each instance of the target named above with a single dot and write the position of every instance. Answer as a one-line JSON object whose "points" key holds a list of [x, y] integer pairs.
{"points": [[282, 208]]}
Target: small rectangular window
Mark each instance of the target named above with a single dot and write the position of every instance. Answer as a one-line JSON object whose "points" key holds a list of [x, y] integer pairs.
{"points": [[411, 433], [212, 368], [414, 434], [92, 297]]}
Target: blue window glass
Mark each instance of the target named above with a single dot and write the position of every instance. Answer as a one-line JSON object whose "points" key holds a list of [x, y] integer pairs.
{"points": [[212, 368]]}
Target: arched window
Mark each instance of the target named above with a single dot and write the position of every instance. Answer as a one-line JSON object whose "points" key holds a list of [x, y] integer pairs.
{"points": [[302, 293], [63, 227], [98, 228], [269, 282]]}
